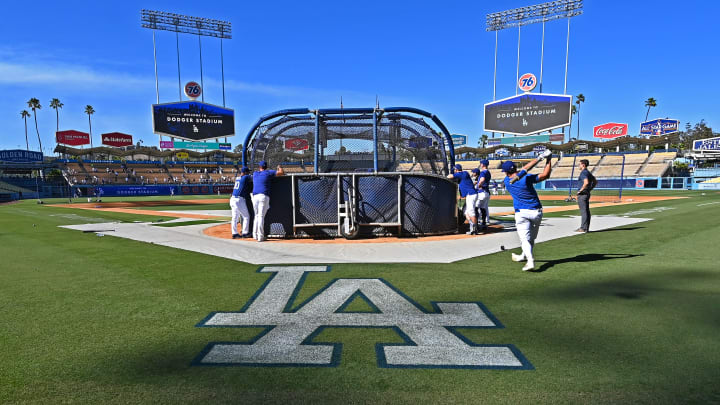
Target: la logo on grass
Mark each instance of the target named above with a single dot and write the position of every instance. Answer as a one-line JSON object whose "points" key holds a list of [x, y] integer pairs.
{"points": [[431, 338]]}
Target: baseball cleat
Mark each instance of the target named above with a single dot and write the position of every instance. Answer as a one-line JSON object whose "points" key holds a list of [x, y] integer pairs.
{"points": [[529, 266], [517, 258], [236, 236]]}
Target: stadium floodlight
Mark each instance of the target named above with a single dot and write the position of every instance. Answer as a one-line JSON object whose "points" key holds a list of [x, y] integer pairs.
{"points": [[552, 10], [178, 23], [160, 20], [538, 13]]}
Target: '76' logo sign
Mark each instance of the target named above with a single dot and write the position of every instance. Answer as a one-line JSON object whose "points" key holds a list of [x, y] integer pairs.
{"points": [[527, 82], [431, 338], [193, 90]]}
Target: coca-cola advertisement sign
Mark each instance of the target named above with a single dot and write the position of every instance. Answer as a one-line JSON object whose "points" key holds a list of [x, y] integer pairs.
{"points": [[117, 139], [72, 137], [610, 130]]}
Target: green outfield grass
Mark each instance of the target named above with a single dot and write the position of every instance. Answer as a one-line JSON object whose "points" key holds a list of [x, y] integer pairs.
{"points": [[626, 315]]}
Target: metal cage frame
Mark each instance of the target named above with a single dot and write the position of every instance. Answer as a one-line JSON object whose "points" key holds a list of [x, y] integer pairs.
{"points": [[347, 113]]}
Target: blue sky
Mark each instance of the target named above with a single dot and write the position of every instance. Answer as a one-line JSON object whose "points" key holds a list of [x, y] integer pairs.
{"points": [[431, 55]]}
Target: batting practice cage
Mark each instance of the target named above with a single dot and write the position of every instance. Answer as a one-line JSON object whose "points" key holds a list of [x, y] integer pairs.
{"points": [[356, 172]]}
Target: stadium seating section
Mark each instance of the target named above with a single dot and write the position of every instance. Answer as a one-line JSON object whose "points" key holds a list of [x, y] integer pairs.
{"points": [[602, 166], [148, 173]]}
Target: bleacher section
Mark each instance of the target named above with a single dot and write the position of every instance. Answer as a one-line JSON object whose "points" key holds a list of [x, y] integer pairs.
{"points": [[9, 188], [89, 173], [661, 157], [117, 173], [654, 170]]}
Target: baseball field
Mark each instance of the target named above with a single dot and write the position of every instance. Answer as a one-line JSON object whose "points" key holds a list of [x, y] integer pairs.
{"points": [[625, 314]]}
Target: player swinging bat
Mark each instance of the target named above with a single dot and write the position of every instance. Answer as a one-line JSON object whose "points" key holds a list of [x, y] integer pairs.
{"points": [[528, 209]]}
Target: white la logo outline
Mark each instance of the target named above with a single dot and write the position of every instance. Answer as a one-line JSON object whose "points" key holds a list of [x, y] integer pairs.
{"points": [[431, 338]]}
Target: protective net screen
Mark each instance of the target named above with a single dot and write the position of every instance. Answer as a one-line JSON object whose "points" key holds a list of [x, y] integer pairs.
{"points": [[307, 205], [346, 144]]}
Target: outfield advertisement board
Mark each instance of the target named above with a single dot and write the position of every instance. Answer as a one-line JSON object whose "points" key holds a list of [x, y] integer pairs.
{"points": [[459, 140], [117, 139], [20, 156], [525, 140], [610, 130], [193, 120], [195, 145], [296, 145], [129, 191], [201, 145], [72, 137], [659, 127], [708, 144], [528, 113]]}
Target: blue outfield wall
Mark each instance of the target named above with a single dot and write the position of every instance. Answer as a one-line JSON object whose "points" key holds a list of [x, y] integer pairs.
{"points": [[640, 183], [602, 183], [150, 190]]}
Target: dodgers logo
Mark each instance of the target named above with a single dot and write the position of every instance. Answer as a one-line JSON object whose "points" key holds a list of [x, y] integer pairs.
{"points": [[431, 338]]}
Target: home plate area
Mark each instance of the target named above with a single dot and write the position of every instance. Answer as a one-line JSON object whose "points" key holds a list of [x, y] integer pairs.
{"points": [[214, 239]]}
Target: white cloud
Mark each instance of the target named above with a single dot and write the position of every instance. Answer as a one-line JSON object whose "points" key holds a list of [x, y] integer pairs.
{"points": [[58, 74]]}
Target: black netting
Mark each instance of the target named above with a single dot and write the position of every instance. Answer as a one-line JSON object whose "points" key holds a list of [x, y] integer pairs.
{"points": [[430, 205], [317, 200], [346, 144], [377, 199], [427, 203]]}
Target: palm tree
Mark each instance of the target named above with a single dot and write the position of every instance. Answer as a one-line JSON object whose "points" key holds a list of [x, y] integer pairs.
{"points": [[649, 103], [56, 103], [34, 104], [483, 140], [579, 99], [89, 111], [573, 111], [24, 114]]}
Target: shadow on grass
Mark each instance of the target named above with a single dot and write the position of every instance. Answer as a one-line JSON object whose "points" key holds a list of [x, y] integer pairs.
{"points": [[588, 257], [632, 228]]}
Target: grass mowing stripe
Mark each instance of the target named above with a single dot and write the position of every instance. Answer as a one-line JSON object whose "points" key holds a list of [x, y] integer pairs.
{"points": [[90, 319]]}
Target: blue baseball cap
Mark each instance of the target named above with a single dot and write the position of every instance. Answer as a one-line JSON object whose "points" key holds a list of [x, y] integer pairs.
{"points": [[245, 169], [476, 170], [262, 164], [458, 166], [508, 166], [485, 162]]}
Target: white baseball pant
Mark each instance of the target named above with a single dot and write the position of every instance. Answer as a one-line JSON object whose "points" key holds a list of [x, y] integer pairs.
{"points": [[261, 204], [527, 223], [471, 204], [239, 208], [483, 202]]}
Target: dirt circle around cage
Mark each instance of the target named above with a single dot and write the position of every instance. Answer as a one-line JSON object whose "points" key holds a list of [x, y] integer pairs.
{"points": [[223, 231]]}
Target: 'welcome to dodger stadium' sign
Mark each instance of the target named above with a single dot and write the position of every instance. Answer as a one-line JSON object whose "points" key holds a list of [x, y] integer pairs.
{"points": [[193, 120]]}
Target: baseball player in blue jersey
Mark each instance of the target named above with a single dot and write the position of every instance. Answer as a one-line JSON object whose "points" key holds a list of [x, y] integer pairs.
{"points": [[528, 209], [239, 203], [467, 191], [483, 192], [261, 197]]}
